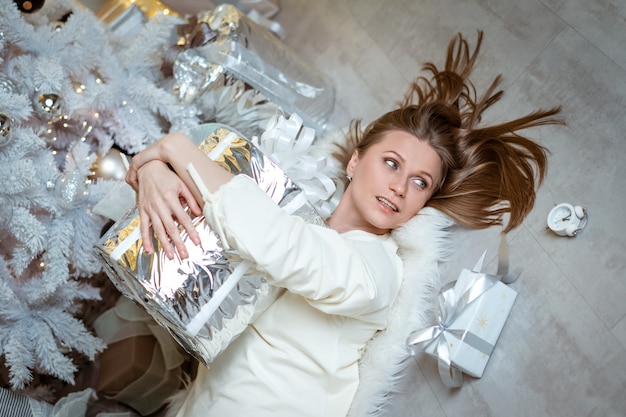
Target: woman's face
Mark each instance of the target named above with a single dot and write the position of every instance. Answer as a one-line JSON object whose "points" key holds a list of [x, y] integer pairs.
{"points": [[391, 181]]}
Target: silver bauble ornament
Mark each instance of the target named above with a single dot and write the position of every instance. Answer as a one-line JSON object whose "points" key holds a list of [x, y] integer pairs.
{"points": [[50, 106], [5, 128], [111, 166], [7, 86]]}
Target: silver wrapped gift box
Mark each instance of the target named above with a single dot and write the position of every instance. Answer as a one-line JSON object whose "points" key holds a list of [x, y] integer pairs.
{"points": [[208, 299], [223, 46]]}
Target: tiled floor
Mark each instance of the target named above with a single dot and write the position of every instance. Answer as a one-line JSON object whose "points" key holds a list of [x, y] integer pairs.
{"points": [[563, 350]]}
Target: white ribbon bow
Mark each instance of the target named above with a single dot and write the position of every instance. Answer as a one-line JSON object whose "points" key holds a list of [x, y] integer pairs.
{"points": [[288, 142]]}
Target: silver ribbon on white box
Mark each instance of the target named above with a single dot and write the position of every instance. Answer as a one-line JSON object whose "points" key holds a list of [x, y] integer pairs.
{"points": [[456, 300], [208, 299]]}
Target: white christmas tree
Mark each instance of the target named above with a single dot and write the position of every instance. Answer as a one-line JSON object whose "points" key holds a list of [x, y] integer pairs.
{"points": [[68, 99], [74, 96]]}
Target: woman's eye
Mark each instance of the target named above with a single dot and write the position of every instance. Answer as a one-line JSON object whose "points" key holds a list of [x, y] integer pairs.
{"points": [[419, 182], [391, 163]]}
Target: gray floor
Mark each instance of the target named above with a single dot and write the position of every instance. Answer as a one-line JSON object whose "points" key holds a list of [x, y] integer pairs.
{"points": [[563, 349]]}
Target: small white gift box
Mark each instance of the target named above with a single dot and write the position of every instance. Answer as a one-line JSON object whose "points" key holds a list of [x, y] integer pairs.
{"points": [[481, 322], [471, 314]]}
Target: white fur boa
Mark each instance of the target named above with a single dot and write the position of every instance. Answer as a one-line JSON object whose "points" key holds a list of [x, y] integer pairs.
{"points": [[423, 242]]}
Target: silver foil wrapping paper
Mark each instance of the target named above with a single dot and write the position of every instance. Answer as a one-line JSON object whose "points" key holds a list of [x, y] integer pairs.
{"points": [[175, 291], [243, 50]]}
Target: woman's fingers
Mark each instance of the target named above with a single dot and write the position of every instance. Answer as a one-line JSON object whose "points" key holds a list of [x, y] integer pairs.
{"points": [[162, 198], [163, 220], [145, 227]]}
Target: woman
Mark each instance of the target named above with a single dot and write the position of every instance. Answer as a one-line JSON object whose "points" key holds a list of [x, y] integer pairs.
{"points": [[300, 357]]}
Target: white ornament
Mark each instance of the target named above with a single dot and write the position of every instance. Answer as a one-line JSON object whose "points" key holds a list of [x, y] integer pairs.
{"points": [[111, 166]]}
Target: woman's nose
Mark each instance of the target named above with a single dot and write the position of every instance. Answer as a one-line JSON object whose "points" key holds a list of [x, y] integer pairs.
{"points": [[398, 186]]}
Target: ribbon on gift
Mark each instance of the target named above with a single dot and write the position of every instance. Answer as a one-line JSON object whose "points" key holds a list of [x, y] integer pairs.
{"points": [[289, 142], [192, 34], [453, 298]]}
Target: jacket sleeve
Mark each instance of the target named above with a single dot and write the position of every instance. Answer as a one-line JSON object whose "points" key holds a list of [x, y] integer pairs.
{"points": [[354, 277]]}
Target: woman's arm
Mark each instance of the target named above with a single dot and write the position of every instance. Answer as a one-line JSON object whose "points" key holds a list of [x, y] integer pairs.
{"points": [[177, 150], [162, 193], [355, 275], [333, 274]]}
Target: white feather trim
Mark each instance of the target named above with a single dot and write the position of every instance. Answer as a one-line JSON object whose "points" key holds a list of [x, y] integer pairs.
{"points": [[423, 242]]}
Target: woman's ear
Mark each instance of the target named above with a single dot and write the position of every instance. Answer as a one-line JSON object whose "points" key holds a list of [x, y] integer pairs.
{"points": [[352, 163]]}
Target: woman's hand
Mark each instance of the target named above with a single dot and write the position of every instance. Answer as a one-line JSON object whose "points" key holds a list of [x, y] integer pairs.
{"points": [[162, 193], [158, 151], [162, 196]]}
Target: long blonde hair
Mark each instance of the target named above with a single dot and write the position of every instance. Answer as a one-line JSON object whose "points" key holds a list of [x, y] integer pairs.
{"points": [[487, 171]]}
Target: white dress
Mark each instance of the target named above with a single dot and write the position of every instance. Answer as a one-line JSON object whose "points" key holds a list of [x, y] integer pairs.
{"points": [[300, 358]]}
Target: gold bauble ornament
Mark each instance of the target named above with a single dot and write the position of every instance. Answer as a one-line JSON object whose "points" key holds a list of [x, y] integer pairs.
{"points": [[50, 106]]}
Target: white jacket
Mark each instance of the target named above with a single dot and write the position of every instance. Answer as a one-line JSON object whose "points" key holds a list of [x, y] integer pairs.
{"points": [[300, 358]]}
